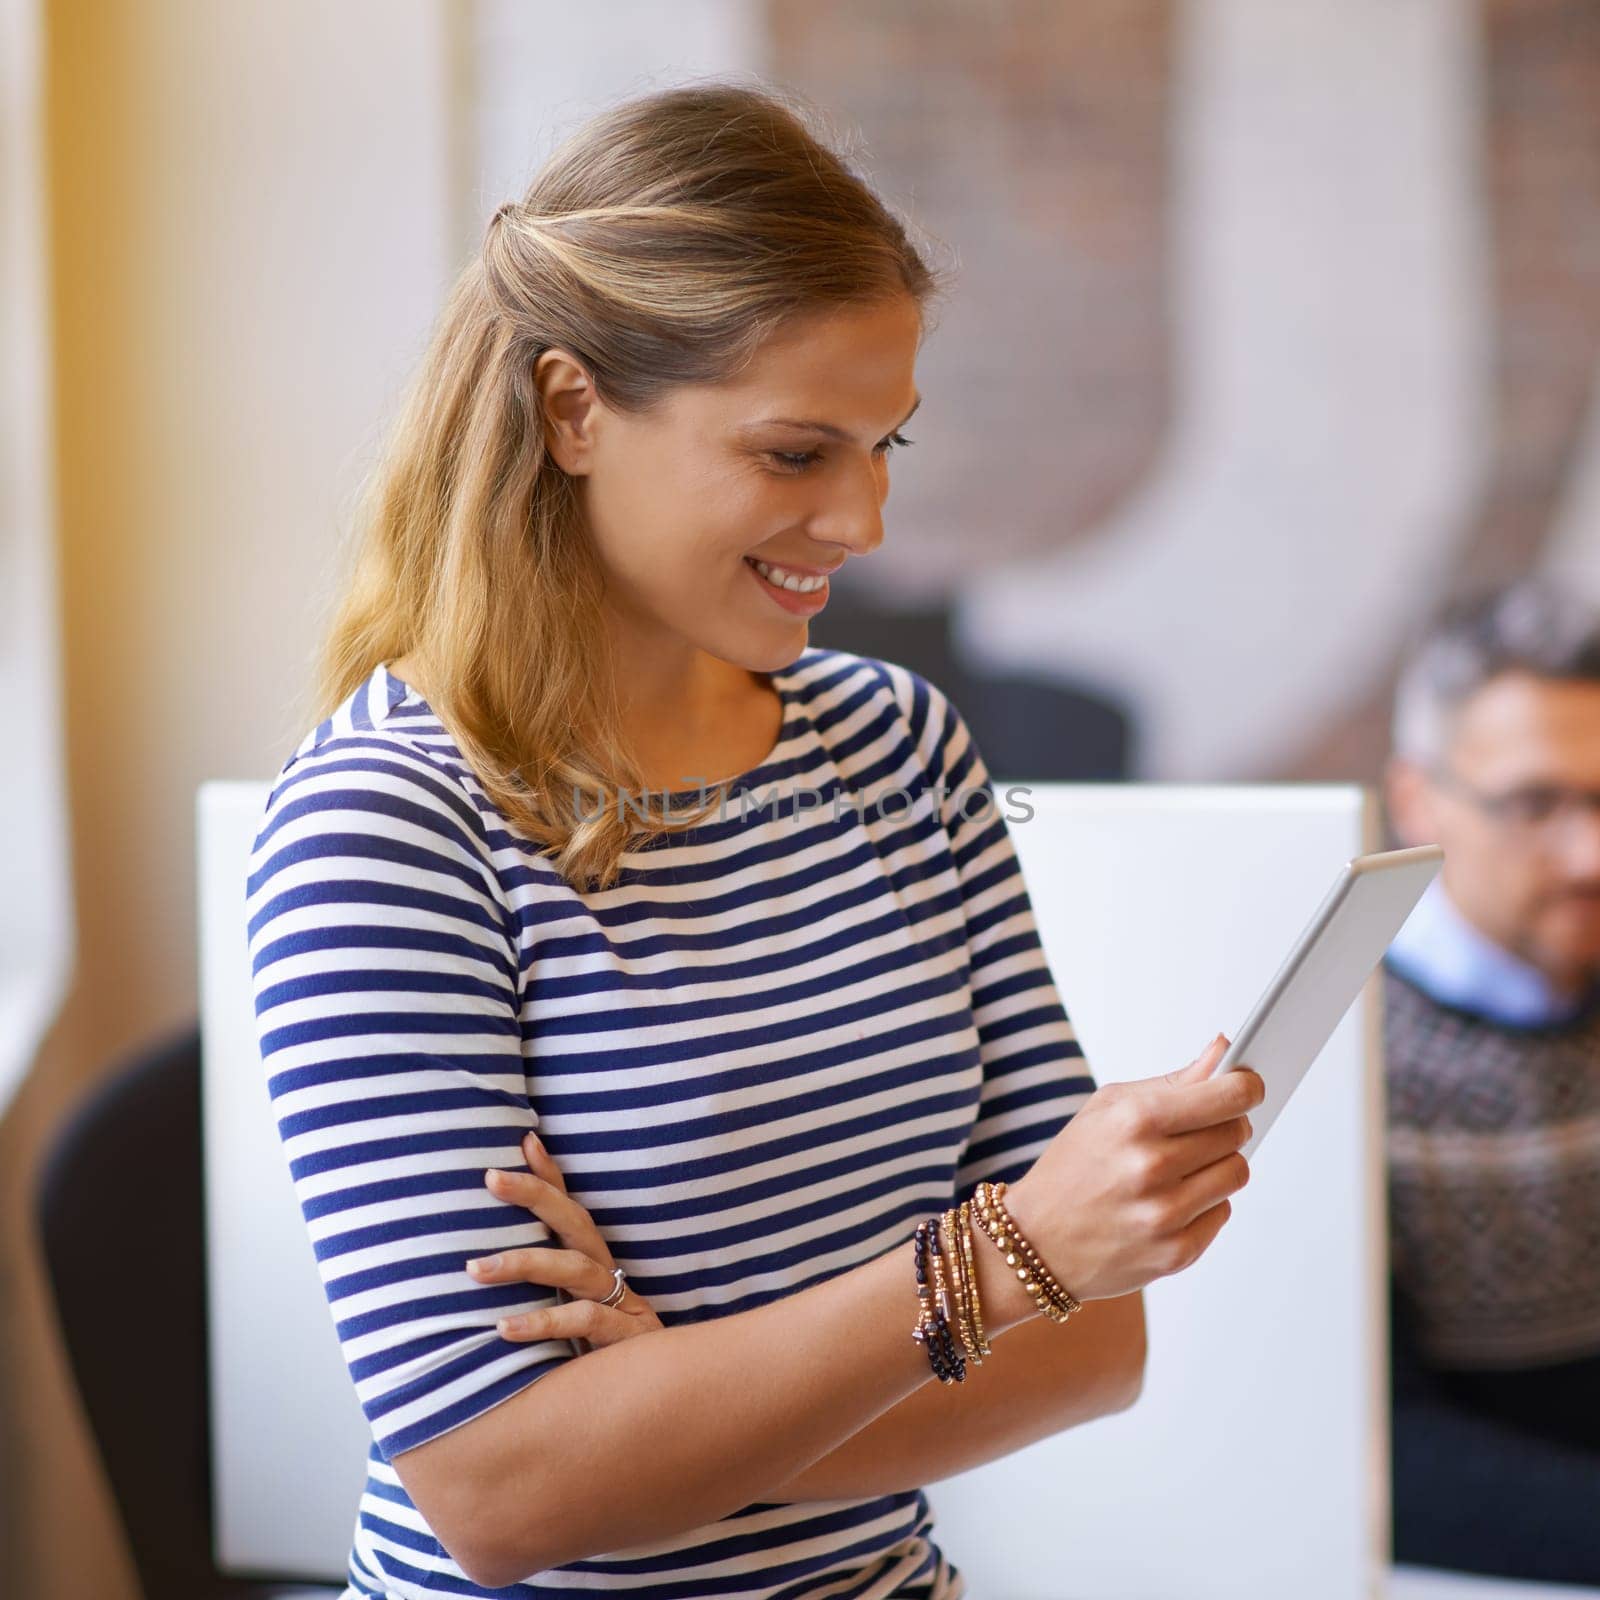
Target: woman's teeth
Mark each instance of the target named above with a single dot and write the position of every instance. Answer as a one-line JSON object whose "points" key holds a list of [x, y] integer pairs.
{"points": [[785, 579]]}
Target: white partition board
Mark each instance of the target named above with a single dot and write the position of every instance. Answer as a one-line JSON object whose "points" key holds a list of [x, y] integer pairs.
{"points": [[288, 1440], [1255, 1463]]}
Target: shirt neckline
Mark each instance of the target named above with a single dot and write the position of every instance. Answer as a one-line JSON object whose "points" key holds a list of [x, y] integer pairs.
{"points": [[788, 733]]}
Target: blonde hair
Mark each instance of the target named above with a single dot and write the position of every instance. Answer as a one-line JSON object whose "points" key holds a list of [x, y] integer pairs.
{"points": [[660, 244]]}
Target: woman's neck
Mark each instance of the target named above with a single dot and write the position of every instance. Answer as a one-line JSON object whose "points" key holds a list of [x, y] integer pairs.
{"points": [[721, 723], [708, 721]]}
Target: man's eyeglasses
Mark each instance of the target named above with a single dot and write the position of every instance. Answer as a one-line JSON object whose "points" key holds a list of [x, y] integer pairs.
{"points": [[1535, 810]]}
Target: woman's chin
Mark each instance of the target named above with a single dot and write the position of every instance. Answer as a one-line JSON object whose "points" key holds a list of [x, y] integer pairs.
{"points": [[768, 650]]}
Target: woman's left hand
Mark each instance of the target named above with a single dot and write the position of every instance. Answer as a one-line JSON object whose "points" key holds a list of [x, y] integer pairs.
{"points": [[583, 1268]]}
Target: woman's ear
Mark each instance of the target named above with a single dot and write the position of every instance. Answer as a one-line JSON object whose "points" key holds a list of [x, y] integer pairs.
{"points": [[571, 406]]}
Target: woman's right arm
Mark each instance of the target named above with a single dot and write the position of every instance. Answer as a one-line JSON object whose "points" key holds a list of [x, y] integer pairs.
{"points": [[684, 1425]]}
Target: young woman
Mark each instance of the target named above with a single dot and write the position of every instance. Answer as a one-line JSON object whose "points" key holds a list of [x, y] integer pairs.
{"points": [[641, 990]]}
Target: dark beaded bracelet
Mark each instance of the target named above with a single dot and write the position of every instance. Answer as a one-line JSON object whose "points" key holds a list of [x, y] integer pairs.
{"points": [[932, 1331]]}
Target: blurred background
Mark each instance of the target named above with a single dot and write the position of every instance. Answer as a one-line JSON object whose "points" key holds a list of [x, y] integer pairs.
{"points": [[1275, 326]]}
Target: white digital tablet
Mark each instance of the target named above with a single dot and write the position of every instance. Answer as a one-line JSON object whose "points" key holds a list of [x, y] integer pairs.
{"points": [[1325, 972]]}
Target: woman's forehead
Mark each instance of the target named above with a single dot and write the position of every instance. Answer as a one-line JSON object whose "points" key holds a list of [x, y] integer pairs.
{"points": [[854, 370]]}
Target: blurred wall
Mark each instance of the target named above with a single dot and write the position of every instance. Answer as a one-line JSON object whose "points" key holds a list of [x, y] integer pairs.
{"points": [[253, 221], [1276, 326], [1331, 380]]}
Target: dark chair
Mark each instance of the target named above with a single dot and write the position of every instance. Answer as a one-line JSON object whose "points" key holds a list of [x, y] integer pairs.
{"points": [[120, 1214]]}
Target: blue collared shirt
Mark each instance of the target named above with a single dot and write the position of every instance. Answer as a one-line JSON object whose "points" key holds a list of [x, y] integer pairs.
{"points": [[1449, 958]]}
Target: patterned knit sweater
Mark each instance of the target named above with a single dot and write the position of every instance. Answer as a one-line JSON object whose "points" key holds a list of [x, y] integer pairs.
{"points": [[1494, 1181]]}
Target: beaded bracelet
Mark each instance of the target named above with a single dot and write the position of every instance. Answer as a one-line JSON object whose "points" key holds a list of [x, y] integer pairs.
{"points": [[1050, 1295], [951, 1297], [963, 1314], [970, 1265], [1052, 1299], [964, 1276], [942, 1289], [968, 1302], [933, 1326]]}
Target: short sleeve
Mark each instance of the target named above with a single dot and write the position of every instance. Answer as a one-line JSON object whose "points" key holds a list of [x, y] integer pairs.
{"points": [[1035, 1076], [386, 981]]}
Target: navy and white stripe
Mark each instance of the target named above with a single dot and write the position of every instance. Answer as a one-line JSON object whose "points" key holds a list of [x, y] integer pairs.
{"points": [[759, 1059]]}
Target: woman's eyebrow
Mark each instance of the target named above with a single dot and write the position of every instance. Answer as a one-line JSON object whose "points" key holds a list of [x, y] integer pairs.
{"points": [[826, 428]]}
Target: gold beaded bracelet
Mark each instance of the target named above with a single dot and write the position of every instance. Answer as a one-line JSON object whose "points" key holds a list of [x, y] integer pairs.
{"points": [[1053, 1301], [1062, 1297], [970, 1266], [963, 1289]]}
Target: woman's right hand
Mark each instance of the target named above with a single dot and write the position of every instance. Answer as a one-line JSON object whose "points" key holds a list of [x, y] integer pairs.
{"points": [[1136, 1185]]}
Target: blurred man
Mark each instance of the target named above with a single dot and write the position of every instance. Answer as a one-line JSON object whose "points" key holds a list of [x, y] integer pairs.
{"points": [[1492, 1032]]}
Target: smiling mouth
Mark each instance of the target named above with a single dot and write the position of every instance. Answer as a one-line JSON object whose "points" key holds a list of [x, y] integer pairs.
{"points": [[799, 593], [781, 577]]}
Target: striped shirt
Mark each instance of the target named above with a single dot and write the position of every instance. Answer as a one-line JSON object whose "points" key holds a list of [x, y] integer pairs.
{"points": [[780, 1040]]}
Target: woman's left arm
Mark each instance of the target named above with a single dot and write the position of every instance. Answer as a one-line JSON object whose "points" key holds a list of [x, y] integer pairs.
{"points": [[1042, 1376]]}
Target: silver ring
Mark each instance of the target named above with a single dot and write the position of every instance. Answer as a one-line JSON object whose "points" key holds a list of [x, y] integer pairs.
{"points": [[619, 1288]]}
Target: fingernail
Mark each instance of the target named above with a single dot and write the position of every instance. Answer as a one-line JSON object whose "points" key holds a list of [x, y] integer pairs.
{"points": [[484, 1264], [531, 1142]]}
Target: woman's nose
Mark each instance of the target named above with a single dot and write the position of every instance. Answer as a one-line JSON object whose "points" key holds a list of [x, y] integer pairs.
{"points": [[853, 516]]}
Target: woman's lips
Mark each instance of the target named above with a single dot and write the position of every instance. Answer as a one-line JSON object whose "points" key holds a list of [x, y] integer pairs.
{"points": [[801, 605]]}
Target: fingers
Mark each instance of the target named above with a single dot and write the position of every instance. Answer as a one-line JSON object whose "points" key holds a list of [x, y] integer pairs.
{"points": [[1198, 1237], [1189, 1104], [1203, 1190], [584, 1269], [1190, 1152], [563, 1269], [540, 1163], [1197, 1096], [1201, 1067], [554, 1207], [578, 1319]]}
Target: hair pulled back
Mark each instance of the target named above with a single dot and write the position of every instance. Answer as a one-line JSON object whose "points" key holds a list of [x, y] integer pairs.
{"points": [[660, 244]]}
